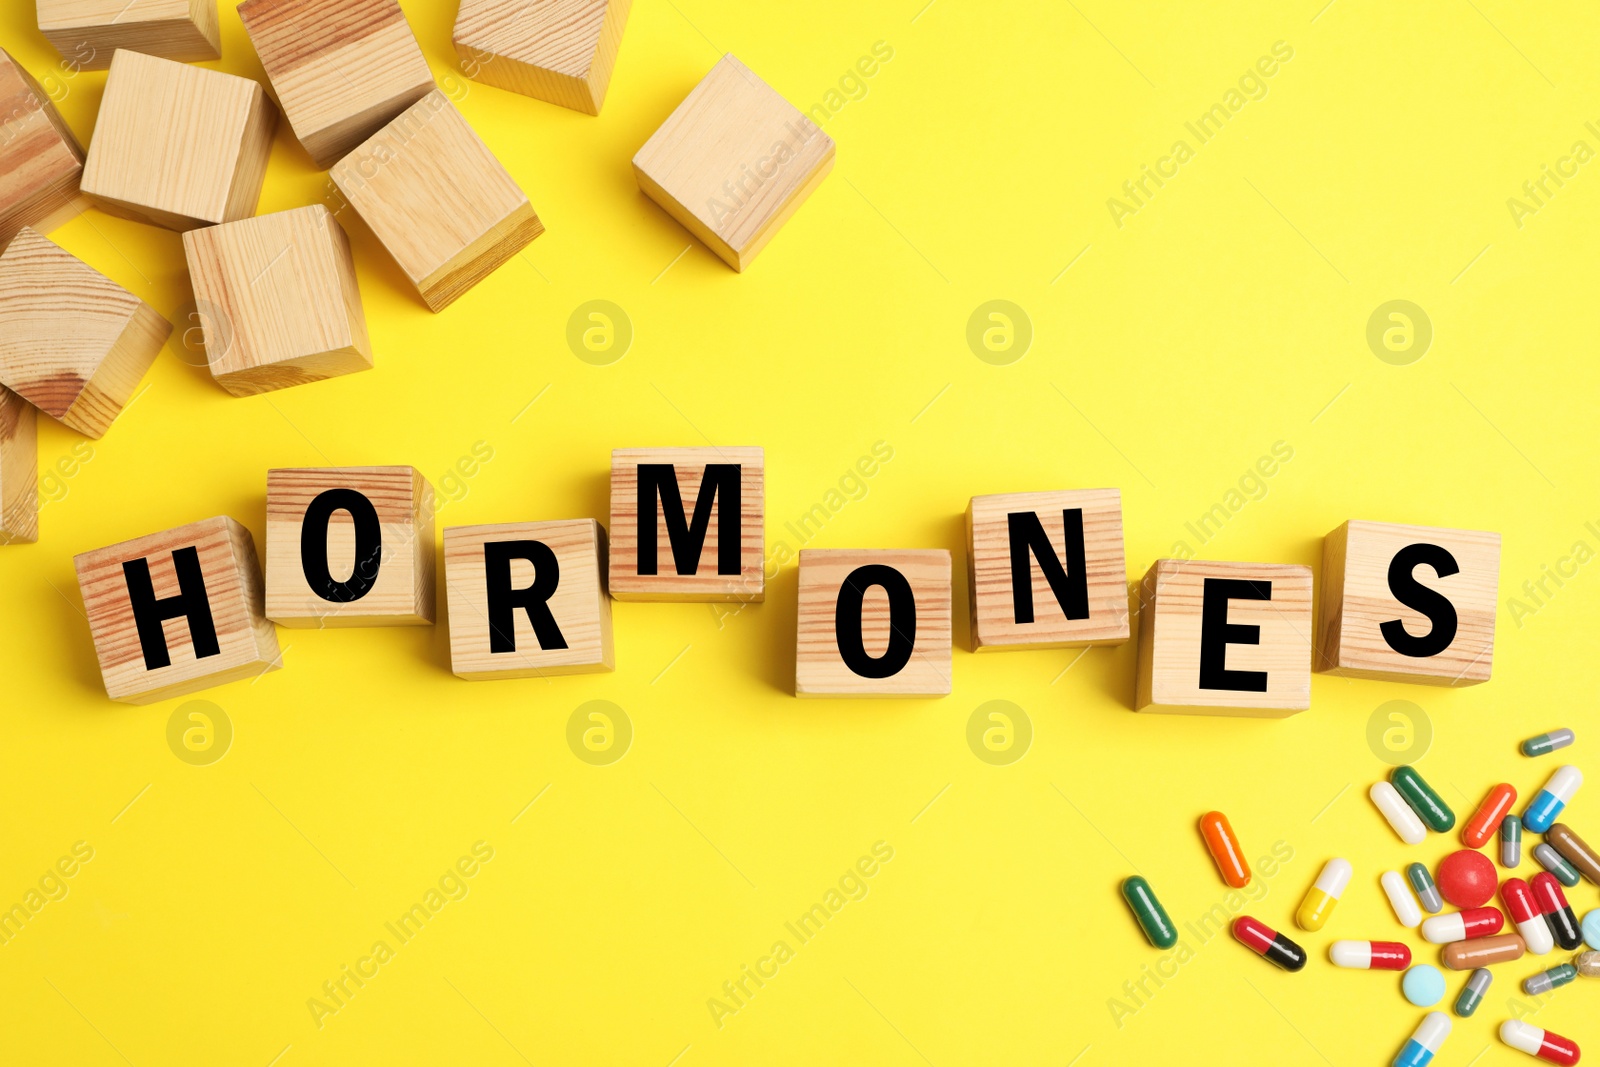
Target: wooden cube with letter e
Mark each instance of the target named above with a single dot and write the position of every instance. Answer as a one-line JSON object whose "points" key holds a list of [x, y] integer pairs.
{"points": [[177, 611], [1224, 638], [1047, 569], [1408, 603], [873, 623], [688, 524], [349, 546], [527, 599]]}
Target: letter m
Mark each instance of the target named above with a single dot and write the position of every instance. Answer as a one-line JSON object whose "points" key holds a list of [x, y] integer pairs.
{"points": [[719, 489]]}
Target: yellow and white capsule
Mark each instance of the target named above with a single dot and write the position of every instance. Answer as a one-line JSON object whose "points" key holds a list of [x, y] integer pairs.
{"points": [[1324, 894]]}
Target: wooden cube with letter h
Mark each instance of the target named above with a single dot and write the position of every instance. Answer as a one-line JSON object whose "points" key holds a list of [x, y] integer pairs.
{"points": [[1224, 638], [1047, 569], [873, 623], [177, 611], [349, 546], [527, 599], [688, 524], [1408, 603]]}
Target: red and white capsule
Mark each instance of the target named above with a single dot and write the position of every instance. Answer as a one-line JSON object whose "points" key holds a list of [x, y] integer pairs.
{"points": [[1526, 916], [1540, 1044], [1370, 955], [1465, 925]]}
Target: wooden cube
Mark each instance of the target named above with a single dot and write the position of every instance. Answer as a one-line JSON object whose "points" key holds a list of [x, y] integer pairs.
{"points": [[562, 51], [527, 599], [688, 524], [1047, 569], [438, 200], [1408, 603], [278, 297], [19, 470], [73, 342], [88, 32], [177, 611], [349, 546], [873, 623], [342, 69], [178, 146], [733, 162], [40, 160], [1224, 638]]}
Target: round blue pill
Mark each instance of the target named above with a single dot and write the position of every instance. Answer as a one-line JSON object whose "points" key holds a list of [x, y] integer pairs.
{"points": [[1591, 929], [1423, 986]]}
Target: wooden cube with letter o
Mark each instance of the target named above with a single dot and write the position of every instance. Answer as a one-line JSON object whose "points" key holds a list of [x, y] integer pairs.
{"points": [[873, 623]]}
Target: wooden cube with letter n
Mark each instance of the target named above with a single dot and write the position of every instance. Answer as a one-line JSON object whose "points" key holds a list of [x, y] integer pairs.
{"points": [[1047, 570], [873, 623], [688, 524], [527, 599], [1224, 638], [1408, 603], [177, 611], [349, 546]]}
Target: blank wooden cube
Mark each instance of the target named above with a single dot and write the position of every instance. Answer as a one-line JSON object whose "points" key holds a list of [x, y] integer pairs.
{"points": [[562, 51], [438, 200], [1224, 638], [279, 300], [349, 546], [40, 160], [703, 534], [19, 470], [178, 146], [88, 32], [733, 162], [1408, 603], [73, 342], [342, 69], [873, 623], [1047, 569], [177, 611], [527, 599]]}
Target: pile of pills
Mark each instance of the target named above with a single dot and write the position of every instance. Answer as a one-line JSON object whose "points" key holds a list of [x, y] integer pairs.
{"points": [[1533, 915]]}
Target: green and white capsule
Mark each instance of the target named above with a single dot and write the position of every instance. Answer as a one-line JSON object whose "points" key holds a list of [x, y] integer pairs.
{"points": [[1153, 919], [1545, 744], [1427, 892], [1510, 841], [1556, 864], [1428, 804], [1472, 993], [1554, 978]]}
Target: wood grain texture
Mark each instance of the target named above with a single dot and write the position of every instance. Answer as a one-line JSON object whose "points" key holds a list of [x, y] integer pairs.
{"points": [[994, 624], [733, 162], [88, 32], [247, 642], [1356, 602], [73, 342], [341, 69], [579, 604], [820, 670], [19, 470], [279, 300], [178, 146], [705, 584], [562, 51], [1171, 597], [437, 199], [402, 592], [41, 162]]}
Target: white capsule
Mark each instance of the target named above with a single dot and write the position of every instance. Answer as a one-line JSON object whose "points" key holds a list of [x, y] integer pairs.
{"points": [[1401, 899], [1443, 929], [1399, 813]]}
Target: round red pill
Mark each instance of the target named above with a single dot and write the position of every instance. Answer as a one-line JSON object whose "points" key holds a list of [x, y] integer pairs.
{"points": [[1467, 879]]}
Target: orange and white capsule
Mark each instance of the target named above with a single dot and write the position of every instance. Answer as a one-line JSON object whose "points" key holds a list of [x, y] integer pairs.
{"points": [[1324, 894], [1223, 844]]}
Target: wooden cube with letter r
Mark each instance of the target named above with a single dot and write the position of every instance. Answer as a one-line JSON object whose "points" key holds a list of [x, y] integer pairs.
{"points": [[1408, 603]]}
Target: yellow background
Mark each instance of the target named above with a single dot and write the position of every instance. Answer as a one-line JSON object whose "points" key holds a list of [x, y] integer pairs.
{"points": [[1228, 314]]}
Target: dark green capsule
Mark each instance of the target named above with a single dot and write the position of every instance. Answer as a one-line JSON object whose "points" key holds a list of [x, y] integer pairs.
{"points": [[1556, 864], [1429, 805], [1427, 892], [1510, 841], [1546, 743], [1147, 909], [1554, 978], [1472, 993]]}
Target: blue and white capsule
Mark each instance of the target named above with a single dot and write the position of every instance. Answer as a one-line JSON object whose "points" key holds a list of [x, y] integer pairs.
{"points": [[1551, 801], [1426, 1041]]}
